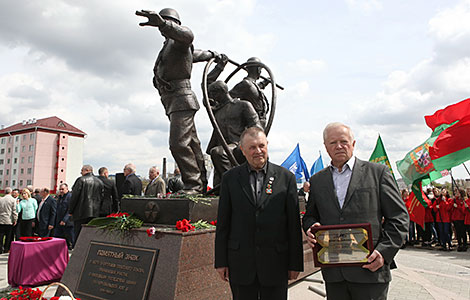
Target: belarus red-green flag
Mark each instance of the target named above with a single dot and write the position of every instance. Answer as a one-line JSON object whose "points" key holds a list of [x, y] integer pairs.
{"points": [[415, 208], [452, 146], [418, 166]]}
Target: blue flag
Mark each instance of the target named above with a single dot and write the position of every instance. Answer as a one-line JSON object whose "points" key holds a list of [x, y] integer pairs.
{"points": [[296, 164], [317, 166]]}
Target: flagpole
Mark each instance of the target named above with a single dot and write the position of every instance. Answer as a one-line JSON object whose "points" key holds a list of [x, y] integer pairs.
{"points": [[453, 182], [466, 168]]}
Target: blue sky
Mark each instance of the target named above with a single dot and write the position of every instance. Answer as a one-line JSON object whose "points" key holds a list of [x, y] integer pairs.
{"points": [[378, 66]]}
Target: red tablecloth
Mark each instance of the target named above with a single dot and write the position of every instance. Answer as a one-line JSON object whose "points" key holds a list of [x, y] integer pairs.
{"points": [[37, 263]]}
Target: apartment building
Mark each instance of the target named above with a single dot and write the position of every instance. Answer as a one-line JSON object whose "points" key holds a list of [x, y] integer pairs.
{"points": [[43, 153]]}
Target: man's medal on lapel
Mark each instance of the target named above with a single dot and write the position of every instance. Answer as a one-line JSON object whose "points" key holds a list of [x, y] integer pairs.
{"points": [[269, 186]]}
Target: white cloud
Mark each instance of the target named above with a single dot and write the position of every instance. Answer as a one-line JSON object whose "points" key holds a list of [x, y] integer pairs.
{"points": [[452, 24]]}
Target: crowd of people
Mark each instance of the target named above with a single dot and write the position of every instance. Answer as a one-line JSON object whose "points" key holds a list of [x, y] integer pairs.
{"points": [[35, 212], [447, 218]]}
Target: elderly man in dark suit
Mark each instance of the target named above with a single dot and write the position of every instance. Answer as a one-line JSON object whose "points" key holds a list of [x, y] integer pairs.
{"points": [[352, 191], [132, 184], [110, 200], [46, 213], [64, 223], [258, 243], [156, 185]]}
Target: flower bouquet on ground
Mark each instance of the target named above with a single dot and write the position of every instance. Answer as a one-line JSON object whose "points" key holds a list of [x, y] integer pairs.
{"points": [[23, 293], [186, 225], [120, 222]]}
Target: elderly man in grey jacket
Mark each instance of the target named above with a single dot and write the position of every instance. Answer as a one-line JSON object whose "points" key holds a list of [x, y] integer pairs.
{"points": [[8, 218]]}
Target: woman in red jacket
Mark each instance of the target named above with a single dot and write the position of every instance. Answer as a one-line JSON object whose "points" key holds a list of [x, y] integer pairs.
{"points": [[428, 224], [466, 207], [458, 217], [442, 208]]}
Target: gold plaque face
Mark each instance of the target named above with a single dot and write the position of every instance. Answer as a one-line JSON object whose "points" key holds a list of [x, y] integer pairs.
{"points": [[342, 245]]}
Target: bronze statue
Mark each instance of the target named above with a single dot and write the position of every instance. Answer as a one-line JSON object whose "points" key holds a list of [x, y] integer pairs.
{"points": [[233, 117], [248, 89], [172, 73], [251, 90]]}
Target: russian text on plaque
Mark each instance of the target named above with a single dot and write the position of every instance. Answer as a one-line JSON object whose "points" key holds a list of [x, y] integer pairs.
{"points": [[342, 245]]}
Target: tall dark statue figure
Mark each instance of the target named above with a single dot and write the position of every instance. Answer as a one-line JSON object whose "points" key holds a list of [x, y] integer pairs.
{"points": [[172, 73], [233, 116], [250, 90]]}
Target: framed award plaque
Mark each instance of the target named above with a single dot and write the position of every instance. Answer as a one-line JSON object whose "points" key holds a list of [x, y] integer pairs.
{"points": [[342, 245]]}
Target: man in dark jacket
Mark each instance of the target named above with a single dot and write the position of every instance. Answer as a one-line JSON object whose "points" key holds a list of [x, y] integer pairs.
{"points": [[258, 240], [132, 185], [110, 199], [87, 192], [46, 213], [64, 223]]}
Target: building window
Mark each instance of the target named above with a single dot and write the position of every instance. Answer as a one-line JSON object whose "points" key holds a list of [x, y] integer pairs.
{"points": [[30, 159], [21, 183], [9, 150], [8, 171], [3, 141], [29, 170], [13, 183], [1, 172], [22, 160], [17, 138], [29, 182], [23, 148], [2, 151], [31, 136], [6, 182], [9, 139], [15, 160], [16, 149], [0, 183], [31, 147], [24, 137], [21, 171], [8, 161], [1, 161], [14, 171]]}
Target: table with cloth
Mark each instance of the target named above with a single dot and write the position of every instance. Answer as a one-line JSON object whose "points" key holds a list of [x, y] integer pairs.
{"points": [[37, 263]]}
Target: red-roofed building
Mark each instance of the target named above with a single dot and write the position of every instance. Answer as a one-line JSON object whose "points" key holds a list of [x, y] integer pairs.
{"points": [[41, 153]]}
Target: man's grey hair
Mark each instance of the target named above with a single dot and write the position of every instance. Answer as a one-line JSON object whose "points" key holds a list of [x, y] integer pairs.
{"points": [[30, 188], [130, 166], [64, 184], [87, 168], [154, 168], [8, 190], [251, 131], [334, 125]]}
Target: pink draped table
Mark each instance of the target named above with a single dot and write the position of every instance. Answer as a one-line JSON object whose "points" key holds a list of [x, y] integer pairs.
{"points": [[37, 263]]}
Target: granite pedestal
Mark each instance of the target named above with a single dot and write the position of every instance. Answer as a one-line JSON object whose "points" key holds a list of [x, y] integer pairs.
{"points": [[184, 268]]}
